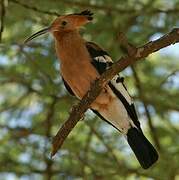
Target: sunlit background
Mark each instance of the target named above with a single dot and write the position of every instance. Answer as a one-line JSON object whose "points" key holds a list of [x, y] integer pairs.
{"points": [[34, 103]]}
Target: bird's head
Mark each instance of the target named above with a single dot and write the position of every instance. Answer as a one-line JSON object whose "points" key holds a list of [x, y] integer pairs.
{"points": [[71, 22], [65, 23]]}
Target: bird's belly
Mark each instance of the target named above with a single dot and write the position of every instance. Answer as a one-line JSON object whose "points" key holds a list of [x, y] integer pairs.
{"points": [[112, 109], [81, 86]]}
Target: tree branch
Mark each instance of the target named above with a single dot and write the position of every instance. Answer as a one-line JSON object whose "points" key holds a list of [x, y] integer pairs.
{"points": [[3, 12], [78, 110], [34, 8], [95, 6], [107, 8]]}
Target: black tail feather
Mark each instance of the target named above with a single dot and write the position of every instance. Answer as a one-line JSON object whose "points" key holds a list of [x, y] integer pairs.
{"points": [[142, 148]]}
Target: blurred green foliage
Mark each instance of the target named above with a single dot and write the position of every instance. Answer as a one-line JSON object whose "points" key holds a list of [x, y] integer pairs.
{"points": [[34, 102]]}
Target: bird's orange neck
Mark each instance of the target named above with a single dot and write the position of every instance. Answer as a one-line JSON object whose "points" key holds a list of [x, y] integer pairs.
{"points": [[70, 48], [63, 35]]}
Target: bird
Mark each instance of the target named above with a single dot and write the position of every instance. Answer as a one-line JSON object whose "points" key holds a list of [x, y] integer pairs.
{"points": [[81, 63]]}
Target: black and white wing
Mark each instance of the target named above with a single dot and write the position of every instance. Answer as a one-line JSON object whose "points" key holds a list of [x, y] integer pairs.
{"points": [[102, 61]]}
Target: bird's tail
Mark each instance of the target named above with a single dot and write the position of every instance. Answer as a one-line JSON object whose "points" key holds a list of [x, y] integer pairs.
{"points": [[142, 148]]}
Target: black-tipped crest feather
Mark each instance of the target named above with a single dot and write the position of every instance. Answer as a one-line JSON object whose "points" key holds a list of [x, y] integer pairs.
{"points": [[85, 13]]}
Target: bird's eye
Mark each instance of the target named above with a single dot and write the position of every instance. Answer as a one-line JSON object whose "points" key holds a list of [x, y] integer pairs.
{"points": [[64, 23]]}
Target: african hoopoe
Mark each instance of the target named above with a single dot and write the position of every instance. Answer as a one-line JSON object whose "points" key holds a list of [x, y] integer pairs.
{"points": [[81, 62]]}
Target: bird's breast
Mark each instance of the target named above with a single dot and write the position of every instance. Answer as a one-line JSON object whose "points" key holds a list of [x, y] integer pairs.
{"points": [[79, 76]]}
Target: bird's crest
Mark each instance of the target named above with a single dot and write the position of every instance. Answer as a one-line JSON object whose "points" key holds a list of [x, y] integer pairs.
{"points": [[85, 13]]}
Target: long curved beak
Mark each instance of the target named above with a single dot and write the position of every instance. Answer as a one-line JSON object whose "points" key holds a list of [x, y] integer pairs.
{"points": [[43, 31]]}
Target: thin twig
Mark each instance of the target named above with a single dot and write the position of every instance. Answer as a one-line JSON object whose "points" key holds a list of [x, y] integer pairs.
{"points": [[122, 10], [147, 113], [108, 147], [86, 150], [78, 110], [3, 12], [48, 128], [122, 167], [106, 8], [34, 8], [168, 76], [125, 46], [18, 102]]}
